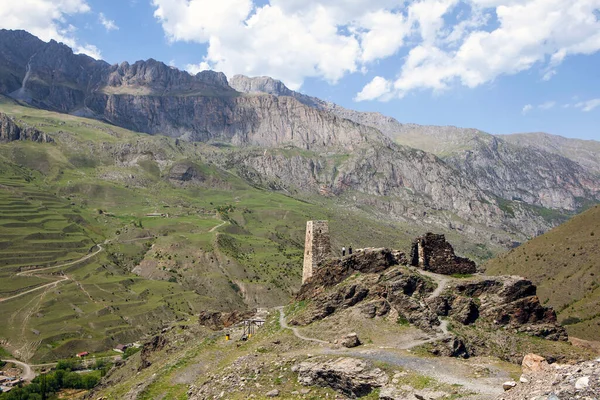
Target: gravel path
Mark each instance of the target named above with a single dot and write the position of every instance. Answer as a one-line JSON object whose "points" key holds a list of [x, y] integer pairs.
{"points": [[444, 370], [284, 325], [28, 373], [440, 280], [218, 226]]}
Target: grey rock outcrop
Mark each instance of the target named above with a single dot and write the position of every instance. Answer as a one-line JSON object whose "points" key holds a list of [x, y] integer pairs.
{"points": [[350, 340], [512, 167], [352, 377], [477, 305], [11, 131], [562, 382]]}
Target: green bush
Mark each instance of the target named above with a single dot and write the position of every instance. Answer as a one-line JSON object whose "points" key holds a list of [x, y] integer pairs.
{"points": [[131, 351], [47, 385]]}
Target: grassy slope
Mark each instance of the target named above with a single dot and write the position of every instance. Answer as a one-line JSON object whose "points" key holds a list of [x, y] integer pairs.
{"points": [[564, 264], [58, 200]]}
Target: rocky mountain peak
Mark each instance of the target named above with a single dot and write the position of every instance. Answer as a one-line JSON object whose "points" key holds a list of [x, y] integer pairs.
{"points": [[268, 85], [259, 84], [163, 79]]}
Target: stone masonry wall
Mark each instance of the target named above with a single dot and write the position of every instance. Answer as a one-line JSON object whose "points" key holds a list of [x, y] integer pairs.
{"points": [[317, 247], [432, 252]]}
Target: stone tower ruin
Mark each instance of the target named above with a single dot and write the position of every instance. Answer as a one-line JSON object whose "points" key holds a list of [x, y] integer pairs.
{"points": [[433, 253], [317, 246]]}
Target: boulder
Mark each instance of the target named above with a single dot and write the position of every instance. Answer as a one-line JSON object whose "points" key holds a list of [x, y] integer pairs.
{"points": [[375, 308], [582, 383], [350, 340], [272, 393], [450, 347], [533, 363], [509, 385], [350, 376]]}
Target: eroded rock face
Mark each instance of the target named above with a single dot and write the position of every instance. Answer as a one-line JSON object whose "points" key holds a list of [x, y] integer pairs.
{"points": [[381, 286], [334, 271], [155, 344], [11, 131], [507, 301], [352, 377], [433, 253], [218, 320], [374, 283], [186, 172]]}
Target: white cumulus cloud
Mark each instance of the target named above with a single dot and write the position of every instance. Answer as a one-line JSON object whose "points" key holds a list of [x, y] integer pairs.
{"points": [[547, 105], [378, 88], [108, 24], [46, 20], [589, 105], [443, 43], [526, 109]]}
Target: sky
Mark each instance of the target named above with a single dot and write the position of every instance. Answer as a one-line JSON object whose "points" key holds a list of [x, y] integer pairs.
{"points": [[502, 66]]}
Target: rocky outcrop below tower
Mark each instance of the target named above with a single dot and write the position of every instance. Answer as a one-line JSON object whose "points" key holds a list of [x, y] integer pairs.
{"points": [[432, 252], [379, 283]]}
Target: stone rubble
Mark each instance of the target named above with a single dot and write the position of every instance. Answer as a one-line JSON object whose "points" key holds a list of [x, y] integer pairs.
{"points": [[543, 381], [352, 377]]}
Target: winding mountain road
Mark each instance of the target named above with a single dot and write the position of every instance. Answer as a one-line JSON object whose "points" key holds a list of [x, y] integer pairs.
{"points": [[218, 226], [35, 272], [449, 371], [27, 374], [284, 325]]}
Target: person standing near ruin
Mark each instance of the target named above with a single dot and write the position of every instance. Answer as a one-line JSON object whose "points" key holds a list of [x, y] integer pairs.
{"points": [[350, 250], [343, 251]]}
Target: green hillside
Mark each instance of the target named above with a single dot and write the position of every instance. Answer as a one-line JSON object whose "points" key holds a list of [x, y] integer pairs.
{"points": [[99, 192], [565, 264]]}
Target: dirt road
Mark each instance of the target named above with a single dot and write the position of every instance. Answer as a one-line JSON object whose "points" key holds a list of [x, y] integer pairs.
{"points": [[28, 373], [35, 272], [285, 325]]}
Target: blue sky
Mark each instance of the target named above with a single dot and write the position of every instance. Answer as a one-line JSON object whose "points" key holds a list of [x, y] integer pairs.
{"points": [[502, 66]]}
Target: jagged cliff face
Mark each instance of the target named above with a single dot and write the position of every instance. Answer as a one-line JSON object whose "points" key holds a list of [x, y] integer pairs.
{"points": [[537, 169], [318, 147], [525, 174], [584, 152], [263, 121], [11, 131]]}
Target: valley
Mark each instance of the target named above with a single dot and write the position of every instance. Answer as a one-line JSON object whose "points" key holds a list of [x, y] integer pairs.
{"points": [[141, 204]]}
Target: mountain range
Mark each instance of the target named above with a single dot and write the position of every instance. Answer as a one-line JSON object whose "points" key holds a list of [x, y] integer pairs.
{"points": [[462, 179], [192, 191]]}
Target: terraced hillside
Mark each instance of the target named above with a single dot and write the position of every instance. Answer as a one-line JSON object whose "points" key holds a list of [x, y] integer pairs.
{"points": [[160, 230], [564, 264], [33, 219]]}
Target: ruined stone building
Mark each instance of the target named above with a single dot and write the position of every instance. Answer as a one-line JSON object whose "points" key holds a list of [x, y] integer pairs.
{"points": [[432, 252], [317, 247]]}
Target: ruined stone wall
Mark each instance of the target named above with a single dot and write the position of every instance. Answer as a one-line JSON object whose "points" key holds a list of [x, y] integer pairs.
{"points": [[317, 247], [433, 253]]}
